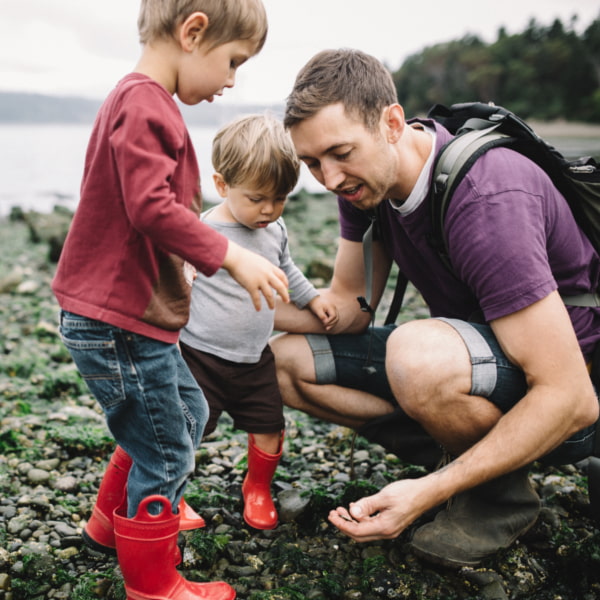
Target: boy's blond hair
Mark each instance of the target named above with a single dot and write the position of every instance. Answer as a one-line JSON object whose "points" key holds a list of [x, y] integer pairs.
{"points": [[256, 151], [228, 20]]}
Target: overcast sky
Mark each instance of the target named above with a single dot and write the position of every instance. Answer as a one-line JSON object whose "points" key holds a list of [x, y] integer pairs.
{"points": [[82, 47]]}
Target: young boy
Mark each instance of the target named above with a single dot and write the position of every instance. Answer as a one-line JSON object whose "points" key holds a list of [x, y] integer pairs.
{"points": [[122, 290], [225, 342]]}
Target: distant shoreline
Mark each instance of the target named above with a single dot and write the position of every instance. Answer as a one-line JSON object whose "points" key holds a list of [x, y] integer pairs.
{"points": [[554, 129]]}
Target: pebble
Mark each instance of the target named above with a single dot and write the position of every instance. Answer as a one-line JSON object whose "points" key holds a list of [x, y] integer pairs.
{"points": [[292, 503], [38, 476], [68, 483]]}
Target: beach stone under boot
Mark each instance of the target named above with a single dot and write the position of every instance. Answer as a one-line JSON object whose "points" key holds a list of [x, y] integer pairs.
{"points": [[479, 522]]}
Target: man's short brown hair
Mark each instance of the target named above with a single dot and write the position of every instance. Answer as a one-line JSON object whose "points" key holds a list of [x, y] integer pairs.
{"points": [[357, 80]]}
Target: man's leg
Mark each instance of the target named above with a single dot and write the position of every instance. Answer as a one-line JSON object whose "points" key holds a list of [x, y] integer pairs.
{"points": [[430, 372], [447, 382], [297, 379], [327, 377]]}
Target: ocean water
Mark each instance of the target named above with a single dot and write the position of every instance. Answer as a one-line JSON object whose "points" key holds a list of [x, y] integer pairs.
{"points": [[41, 165]]}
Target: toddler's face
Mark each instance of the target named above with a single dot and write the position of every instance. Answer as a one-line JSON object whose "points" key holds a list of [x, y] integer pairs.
{"points": [[253, 208]]}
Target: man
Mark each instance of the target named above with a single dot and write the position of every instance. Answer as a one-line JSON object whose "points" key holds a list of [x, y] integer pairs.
{"points": [[498, 377]]}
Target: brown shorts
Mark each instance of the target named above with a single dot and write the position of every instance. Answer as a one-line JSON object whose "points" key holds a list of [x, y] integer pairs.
{"points": [[247, 392]]}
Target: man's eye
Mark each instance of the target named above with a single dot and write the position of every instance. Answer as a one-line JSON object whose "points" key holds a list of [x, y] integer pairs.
{"points": [[343, 156]]}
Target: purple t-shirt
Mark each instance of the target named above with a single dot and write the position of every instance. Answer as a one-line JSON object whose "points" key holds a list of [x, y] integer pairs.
{"points": [[511, 238]]}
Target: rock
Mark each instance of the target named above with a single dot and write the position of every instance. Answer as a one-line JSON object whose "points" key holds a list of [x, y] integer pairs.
{"points": [[361, 456], [319, 269], [67, 553], [40, 563], [51, 228], [489, 583], [28, 288], [18, 524], [4, 558], [9, 283], [292, 503], [38, 476], [48, 464], [5, 583], [68, 483]]}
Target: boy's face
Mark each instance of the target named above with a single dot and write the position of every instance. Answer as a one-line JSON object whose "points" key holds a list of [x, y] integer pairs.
{"points": [[206, 72], [252, 208]]}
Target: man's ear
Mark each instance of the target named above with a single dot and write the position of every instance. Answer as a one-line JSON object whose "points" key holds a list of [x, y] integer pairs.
{"points": [[394, 122], [220, 185], [191, 31]]}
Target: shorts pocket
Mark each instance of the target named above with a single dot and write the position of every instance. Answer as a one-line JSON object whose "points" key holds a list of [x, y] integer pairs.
{"points": [[97, 362]]}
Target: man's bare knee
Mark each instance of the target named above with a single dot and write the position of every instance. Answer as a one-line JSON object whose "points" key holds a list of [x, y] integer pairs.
{"points": [[427, 363], [293, 355], [295, 366]]}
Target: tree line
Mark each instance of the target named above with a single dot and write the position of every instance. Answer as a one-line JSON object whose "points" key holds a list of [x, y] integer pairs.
{"points": [[545, 72]]}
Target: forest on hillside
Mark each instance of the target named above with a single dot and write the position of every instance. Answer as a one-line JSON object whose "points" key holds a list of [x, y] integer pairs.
{"points": [[545, 72]]}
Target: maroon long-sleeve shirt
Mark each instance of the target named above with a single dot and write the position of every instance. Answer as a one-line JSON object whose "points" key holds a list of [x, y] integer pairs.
{"points": [[137, 218]]}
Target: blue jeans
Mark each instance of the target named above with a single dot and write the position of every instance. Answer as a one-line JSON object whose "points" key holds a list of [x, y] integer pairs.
{"points": [[153, 406]]}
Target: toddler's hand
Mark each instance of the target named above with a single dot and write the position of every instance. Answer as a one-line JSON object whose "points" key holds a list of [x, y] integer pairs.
{"points": [[325, 311]]}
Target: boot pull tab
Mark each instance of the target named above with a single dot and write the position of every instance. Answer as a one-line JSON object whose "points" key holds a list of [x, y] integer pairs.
{"points": [[143, 513]]}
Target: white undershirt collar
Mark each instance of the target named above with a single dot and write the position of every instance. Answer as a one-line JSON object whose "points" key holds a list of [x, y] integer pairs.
{"points": [[421, 188]]}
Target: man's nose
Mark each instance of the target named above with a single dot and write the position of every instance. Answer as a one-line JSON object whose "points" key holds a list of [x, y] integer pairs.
{"points": [[333, 176]]}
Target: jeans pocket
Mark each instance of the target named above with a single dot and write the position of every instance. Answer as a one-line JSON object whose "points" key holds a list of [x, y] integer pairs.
{"points": [[98, 363]]}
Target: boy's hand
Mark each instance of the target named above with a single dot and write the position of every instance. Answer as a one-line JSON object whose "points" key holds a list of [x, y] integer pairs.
{"points": [[325, 311], [256, 274]]}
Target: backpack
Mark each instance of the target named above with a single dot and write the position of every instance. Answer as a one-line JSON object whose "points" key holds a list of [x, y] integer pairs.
{"points": [[479, 127]]}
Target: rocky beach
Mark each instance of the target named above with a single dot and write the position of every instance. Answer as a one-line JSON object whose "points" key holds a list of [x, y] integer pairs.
{"points": [[54, 447]]}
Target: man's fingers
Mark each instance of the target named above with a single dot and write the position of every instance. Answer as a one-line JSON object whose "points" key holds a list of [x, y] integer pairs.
{"points": [[365, 531]]}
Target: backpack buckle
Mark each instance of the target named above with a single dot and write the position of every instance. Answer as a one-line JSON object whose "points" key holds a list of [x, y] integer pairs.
{"points": [[364, 305]]}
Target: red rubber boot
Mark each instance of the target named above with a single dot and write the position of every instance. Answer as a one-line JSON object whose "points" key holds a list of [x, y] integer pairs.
{"points": [[259, 510], [99, 531], [144, 544]]}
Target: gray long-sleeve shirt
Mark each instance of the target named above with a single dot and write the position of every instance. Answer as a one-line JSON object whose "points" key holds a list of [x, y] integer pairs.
{"points": [[223, 320]]}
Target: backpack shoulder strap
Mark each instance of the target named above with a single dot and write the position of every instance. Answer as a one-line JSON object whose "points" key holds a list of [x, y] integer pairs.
{"points": [[367, 244], [451, 164], [397, 299], [401, 280]]}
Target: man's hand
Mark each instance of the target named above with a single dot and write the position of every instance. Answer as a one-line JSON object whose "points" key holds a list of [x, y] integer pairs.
{"points": [[384, 515], [256, 274]]}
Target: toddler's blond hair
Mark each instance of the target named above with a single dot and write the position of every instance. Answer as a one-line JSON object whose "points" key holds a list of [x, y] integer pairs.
{"points": [[256, 151]]}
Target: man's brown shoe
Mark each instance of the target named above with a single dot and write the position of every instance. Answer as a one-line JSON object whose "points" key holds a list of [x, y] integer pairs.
{"points": [[479, 522]]}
